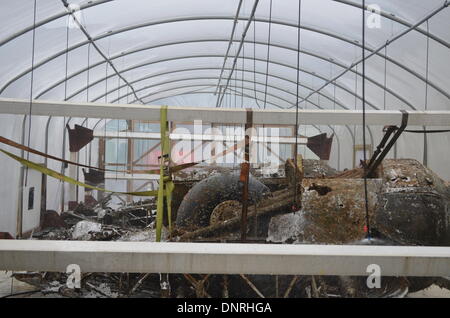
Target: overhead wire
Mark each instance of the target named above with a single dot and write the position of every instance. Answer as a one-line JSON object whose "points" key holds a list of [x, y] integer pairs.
{"points": [[87, 100], [235, 85], [366, 200], [425, 139], [33, 49], [64, 120], [269, 38], [294, 206], [268, 54], [385, 77], [254, 63], [243, 69]]}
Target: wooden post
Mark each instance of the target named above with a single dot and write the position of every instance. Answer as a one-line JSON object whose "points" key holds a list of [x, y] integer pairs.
{"points": [[101, 162], [130, 158]]}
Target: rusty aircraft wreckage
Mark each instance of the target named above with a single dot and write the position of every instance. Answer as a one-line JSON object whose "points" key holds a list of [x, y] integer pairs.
{"points": [[407, 204]]}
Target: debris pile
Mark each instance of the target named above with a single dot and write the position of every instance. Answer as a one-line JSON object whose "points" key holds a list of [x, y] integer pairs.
{"points": [[332, 211]]}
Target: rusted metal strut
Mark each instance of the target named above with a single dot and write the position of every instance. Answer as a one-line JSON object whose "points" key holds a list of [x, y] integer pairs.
{"points": [[79, 137], [245, 173], [382, 149]]}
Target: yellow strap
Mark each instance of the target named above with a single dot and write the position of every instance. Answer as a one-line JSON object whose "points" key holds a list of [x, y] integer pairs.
{"points": [[64, 178], [14, 144], [165, 186], [159, 208]]}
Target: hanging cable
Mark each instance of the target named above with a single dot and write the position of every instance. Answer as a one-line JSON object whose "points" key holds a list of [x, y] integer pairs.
{"points": [[66, 70], [87, 100], [33, 47], [254, 63], [235, 86], [294, 206], [268, 54], [118, 129], [269, 37], [88, 71], [243, 72], [334, 126], [106, 101], [366, 201], [356, 96], [425, 139], [65, 98], [385, 75], [269, 40]]}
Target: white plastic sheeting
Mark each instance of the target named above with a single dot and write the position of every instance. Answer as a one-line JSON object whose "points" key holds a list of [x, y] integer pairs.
{"points": [[171, 52]]}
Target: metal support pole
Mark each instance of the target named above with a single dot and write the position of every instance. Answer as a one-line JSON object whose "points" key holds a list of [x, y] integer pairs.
{"points": [[245, 173]]}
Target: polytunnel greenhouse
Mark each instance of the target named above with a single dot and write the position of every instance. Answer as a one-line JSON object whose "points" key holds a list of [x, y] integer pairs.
{"points": [[140, 139]]}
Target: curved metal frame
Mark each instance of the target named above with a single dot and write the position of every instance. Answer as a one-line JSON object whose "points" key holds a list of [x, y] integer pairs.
{"points": [[239, 93], [52, 18], [209, 68], [200, 79], [204, 85], [323, 32], [220, 56], [251, 97], [384, 14], [394, 18], [249, 58], [378, 50]]}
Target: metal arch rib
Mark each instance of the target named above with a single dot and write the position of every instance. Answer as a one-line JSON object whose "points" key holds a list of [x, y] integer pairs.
{"points": [[245, 95], [374, 52], [200, 56], [57, 16], [258, 59], [252, 97], [246, 88], [193, 92], [188, 86], [262, 60], [206, 69], [394, 18], [209, 78], [93, 3], [429, 16], [204, 85]]}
